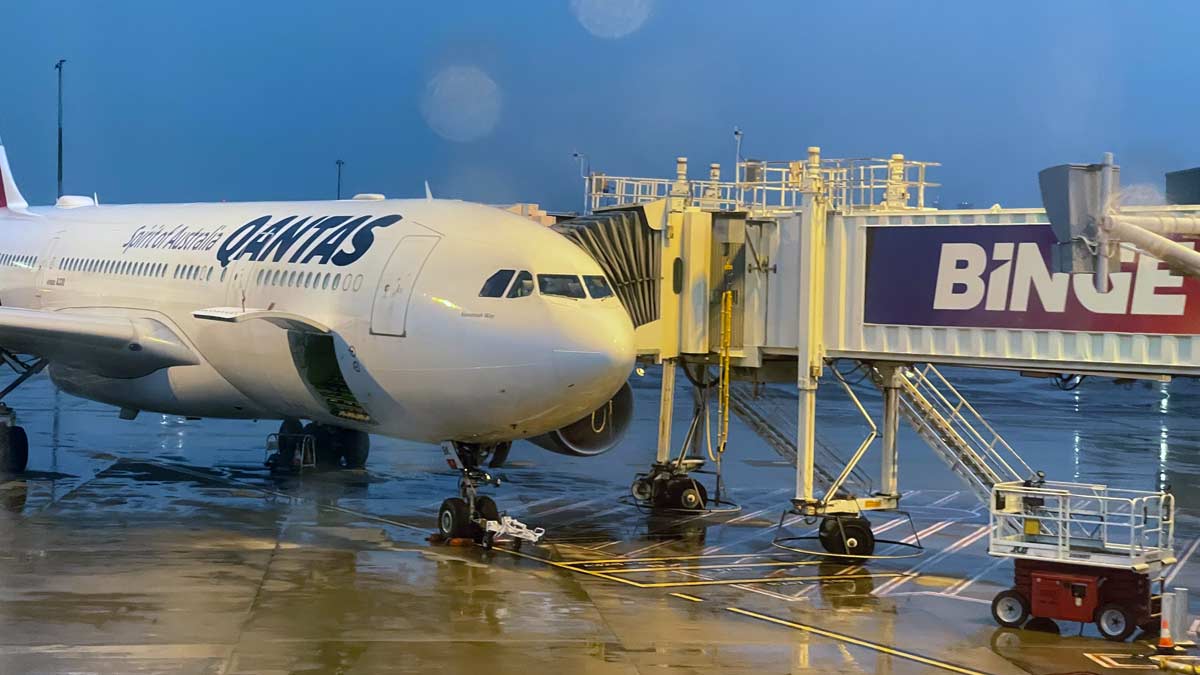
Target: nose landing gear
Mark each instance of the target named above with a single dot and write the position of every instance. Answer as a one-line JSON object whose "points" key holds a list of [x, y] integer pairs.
{"points": [[474, 516]]}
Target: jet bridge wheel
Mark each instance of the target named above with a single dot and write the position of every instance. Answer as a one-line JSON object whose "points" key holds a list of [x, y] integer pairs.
{"points": [[686, 493], [847, 536], [14, 450]]}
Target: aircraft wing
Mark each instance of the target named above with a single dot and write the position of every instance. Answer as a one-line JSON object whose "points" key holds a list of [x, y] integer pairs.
{"points": [[112, 346]]}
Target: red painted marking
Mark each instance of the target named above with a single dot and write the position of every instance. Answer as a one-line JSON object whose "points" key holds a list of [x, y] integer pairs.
{"points": [[3, 196]]}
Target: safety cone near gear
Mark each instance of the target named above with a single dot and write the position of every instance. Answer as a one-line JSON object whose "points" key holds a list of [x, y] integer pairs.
{"points": [[1166, 645]]}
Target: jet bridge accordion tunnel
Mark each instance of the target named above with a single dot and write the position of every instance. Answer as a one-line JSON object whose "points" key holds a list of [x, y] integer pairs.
{"points": [[669, 265]]}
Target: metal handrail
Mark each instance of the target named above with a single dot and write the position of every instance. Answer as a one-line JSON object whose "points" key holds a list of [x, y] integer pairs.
{"points": [[1137, 526], [955, 410]]}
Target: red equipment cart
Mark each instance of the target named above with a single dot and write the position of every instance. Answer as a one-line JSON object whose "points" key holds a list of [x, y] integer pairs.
{"points": [[1082, 552]]}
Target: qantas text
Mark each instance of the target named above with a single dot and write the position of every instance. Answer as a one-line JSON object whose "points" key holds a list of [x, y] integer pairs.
{"points": [[340, 240]]}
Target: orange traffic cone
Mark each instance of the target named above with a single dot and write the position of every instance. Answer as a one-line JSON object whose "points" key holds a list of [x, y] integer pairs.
{"points": [[1166, 645]]}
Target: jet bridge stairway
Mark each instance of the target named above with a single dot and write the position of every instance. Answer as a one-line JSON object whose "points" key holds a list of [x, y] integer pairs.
{"points": [[936, 410], [771, 413], [956, 432]]}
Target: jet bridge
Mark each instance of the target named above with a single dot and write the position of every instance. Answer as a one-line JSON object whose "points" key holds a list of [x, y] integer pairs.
{"points": [[794, 265]]}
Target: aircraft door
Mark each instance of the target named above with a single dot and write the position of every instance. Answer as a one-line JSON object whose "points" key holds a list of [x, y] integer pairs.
{"points": [[394, 290]]}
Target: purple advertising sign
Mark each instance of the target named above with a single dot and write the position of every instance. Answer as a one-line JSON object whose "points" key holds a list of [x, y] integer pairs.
{"points": [[999, 276]]}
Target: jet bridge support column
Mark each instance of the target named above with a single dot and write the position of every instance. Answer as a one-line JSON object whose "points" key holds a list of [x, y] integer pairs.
{"points": [[810, 296], [889, 479], [666, 408]]}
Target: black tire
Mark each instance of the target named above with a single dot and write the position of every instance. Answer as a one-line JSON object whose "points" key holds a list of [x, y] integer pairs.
{"points": [[18, 449], [642, 489], [486, 507], [289, 429], [1010, 608], [847, 536], [355, 448], [1115, 622], [6, 455], [453, 520], [688, 494], [325, 444]]}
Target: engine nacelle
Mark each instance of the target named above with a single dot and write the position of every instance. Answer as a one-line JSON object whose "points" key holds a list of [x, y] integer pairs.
{"points": [[197, 390], [596, 433]]}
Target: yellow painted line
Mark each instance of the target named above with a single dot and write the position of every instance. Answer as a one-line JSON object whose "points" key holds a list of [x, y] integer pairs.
{"points": [[755, 580], [672, 557], [704, 582], [564, 566], [718, 566], [685, 596], [875, 646]]}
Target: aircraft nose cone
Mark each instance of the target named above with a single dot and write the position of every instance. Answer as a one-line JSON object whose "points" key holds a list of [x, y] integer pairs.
{"points": [[597, 354]]}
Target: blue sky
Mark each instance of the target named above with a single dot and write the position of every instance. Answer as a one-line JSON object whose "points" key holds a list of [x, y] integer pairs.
{"points": [[224, 100]]}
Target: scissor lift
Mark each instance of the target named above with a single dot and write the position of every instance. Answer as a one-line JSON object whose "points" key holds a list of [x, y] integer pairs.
{"points": [[1082, 552]]}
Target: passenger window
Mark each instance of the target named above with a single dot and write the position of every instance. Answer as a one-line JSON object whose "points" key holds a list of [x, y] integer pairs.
{"points": [[496, 284], [325, 281], [523, 286], [337, 281], [564, 285], [597, 286]]}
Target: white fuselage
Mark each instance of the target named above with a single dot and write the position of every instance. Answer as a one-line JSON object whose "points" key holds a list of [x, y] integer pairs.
{"points": [[420, 353]]}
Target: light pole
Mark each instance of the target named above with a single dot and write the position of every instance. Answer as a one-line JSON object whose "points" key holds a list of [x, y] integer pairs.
{"points": [[340, 164], [59, 67], [584, 173], [737, 154]]}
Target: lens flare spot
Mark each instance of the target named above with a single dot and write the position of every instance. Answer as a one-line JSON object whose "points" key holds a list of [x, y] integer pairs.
{"points": [[461, 103], [612, 19]]}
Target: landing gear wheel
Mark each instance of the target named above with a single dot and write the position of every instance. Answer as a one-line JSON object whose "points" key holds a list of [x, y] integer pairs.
{"points": [[1115, 622], [355, 446], [14, 450], [1010, 609], [289, 443], [325, 444], [486, 508], [454, 520], [688, 494], [847, 536]]}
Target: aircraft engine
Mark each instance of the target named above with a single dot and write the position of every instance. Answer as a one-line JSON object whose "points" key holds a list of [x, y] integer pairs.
{"points": [[596, 433]]}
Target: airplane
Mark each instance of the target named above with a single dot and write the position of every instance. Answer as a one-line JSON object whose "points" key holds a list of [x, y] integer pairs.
{"points": [[430, 320]]}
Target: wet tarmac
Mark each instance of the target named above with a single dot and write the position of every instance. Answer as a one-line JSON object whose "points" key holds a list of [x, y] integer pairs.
{"points": [[163, 545]]}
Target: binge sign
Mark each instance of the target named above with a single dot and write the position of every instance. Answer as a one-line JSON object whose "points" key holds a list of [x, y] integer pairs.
{"points": [[999, 276]]}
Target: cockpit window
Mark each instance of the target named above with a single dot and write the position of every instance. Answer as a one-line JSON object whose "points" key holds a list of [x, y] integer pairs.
{"points": [[565, 285], [597, 286], [496, 284], [523, 286]]}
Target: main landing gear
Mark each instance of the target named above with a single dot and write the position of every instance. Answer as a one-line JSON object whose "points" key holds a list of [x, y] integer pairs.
{"points": [[14, 443], [472, 515], [301, 446]]}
